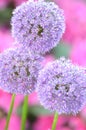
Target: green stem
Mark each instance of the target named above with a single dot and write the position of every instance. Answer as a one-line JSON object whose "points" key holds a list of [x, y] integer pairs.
{"points": [[10, 112], [55, 121], [24, 113]]}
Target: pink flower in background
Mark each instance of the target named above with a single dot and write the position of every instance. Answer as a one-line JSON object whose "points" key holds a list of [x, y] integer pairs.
{"points": [[14, 123], [6, 39], [77, 124], [70, 123], [75, 15], [78, 53], [5, 99], [46, 123], [18, 101], [83, 114], [64, 123], [2, 123], [18, 2], [47, 59], [43, 123], [33, 99], [4, 3]]}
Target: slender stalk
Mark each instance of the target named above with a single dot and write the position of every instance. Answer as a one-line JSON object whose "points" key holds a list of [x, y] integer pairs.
{"points": [[10, 112], [24, 113], [55, 121]]}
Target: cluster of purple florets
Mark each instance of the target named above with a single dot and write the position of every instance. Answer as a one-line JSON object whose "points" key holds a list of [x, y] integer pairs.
{"points": [[38, 25], [19, 70], [62, 87], [37, 28]]}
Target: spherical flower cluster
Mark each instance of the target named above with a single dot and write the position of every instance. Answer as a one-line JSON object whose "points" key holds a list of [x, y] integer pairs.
{"points": [[61, 87], [19, 70], [38, 25]]}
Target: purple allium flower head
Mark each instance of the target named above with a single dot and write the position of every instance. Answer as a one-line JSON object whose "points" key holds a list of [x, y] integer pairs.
{"points": [[38, 25], [61, 87], [19, 70]]}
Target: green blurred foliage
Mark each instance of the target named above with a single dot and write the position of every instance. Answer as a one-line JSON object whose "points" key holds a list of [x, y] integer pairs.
{"points": [[39, 110], [62, 49], [6, 14], [35, 110]]}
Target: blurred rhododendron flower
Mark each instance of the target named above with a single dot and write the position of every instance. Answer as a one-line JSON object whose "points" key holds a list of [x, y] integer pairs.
{"points": [[78, 53], [4, 3], [83, 113], [33, 98], [6, 97], [76, 22], [18, 2], [64, 123], [14, 123], [47, 59], [6, 40]]}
